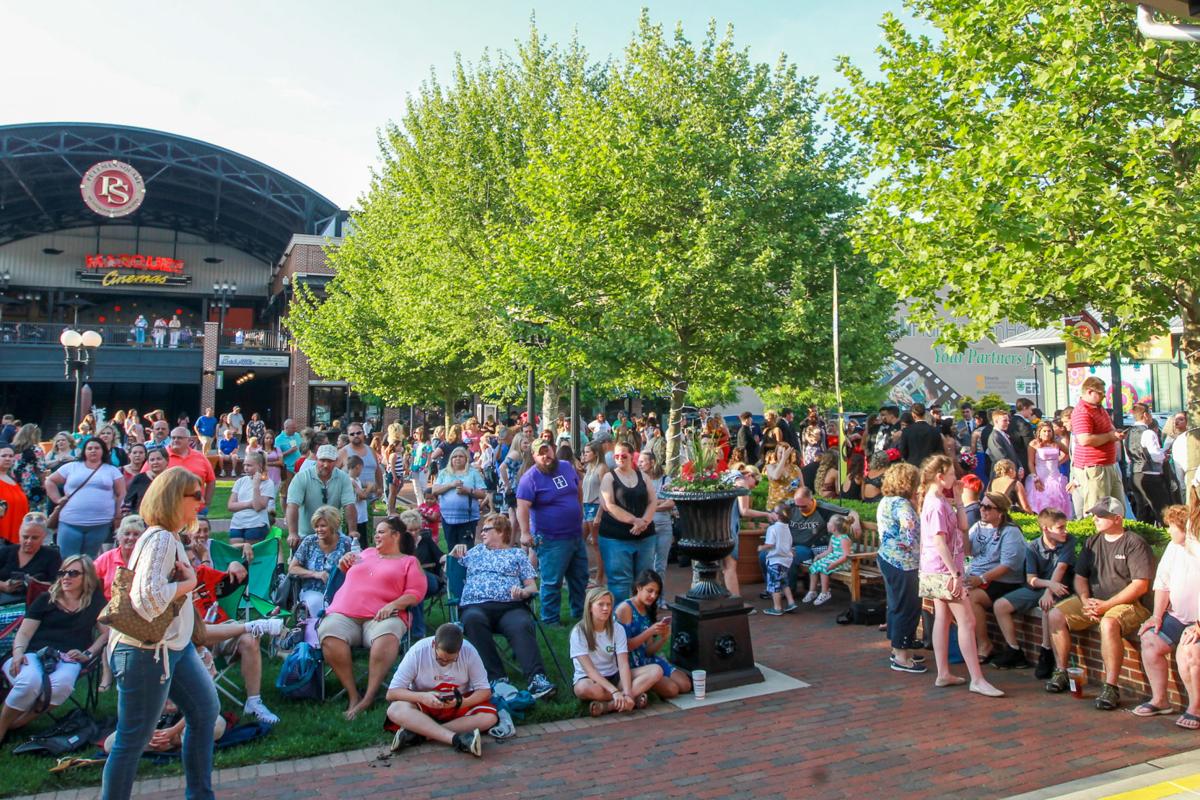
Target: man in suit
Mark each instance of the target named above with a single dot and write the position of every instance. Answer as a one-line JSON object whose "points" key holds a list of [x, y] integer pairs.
{"points": [[1022, 429], [919, 440], [965, 427], [786, 431], [1000, 446]]}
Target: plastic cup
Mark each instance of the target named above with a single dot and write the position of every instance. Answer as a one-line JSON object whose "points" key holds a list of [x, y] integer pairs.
{"points": [[1076, 678], [699, 680]]}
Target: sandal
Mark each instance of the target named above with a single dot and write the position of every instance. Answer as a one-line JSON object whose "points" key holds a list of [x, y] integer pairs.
{"points": [[1188, 721], [598, 709], [641, 701], [1148, 710]]}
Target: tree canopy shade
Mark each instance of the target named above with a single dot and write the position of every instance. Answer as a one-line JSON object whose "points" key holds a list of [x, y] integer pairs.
{"points": [[683, 222], [668, 222], [1037, 159]]}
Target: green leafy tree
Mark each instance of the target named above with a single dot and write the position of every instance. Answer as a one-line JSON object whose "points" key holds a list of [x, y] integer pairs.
{"points": [[1033, 159], [682, 224]]}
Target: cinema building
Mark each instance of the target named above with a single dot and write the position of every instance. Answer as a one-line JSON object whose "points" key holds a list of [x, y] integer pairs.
{"points": [[113, 229]]}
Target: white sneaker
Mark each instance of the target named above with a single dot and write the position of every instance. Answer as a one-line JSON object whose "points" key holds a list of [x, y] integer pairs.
{"points": [[822, 598], [808, 598], [260, 712], [265, 627]]}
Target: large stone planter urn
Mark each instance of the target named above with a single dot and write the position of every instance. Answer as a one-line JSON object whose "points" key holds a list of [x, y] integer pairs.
{"points": [[712, 629]]}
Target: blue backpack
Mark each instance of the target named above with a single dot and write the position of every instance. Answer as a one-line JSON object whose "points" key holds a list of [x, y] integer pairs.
{"points": [[302, 675]]}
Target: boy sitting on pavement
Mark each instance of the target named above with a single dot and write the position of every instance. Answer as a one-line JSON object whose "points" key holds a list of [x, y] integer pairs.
{"points": [[440, 691], [1111, 576]]}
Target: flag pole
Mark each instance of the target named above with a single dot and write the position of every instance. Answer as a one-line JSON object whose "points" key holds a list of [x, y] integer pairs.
{"points": [[837, 383]]}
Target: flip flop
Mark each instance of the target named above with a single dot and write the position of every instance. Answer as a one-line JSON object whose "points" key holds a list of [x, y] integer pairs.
{"points": [[1148, 710], [70, 762], [598, 709], [1188, 721]]}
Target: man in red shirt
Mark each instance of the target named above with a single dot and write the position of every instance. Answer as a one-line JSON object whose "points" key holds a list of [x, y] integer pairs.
{"points": [[1094, 440], [181, 454]]}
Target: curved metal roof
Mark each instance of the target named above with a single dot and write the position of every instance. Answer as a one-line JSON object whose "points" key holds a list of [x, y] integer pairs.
{"points": [[191, 186]]}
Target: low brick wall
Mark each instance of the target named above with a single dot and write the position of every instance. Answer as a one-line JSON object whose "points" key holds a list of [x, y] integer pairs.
{"points": [[1085, 648]]}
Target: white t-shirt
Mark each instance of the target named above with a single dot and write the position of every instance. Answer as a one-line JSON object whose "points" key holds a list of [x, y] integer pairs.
{"points": [[604, 657], [360, 506], [419, 670], [243, 492], [1179, 573], [1179, 452], [779, 536]]}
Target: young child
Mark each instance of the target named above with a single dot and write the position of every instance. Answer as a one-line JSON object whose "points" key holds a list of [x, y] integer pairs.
{"points": [[601, 655], [647, 633], [354, 468], [827, 561], [778, 546]]}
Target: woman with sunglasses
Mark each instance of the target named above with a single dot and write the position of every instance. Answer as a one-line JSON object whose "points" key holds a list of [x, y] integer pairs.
{"points": [[91, 493], [13, 502], [460, 489], [371, 609], [147, 673], [63, 621], [627, 536]]}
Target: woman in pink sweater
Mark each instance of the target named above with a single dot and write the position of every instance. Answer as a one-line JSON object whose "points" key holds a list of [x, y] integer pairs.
{"points": [[371, 609]]}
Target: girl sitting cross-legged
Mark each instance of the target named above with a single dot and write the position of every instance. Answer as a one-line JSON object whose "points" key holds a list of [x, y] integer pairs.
{"points": [[646, 634], [601, 655]]}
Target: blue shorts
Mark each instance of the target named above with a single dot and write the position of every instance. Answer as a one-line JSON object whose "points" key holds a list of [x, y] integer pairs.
{"points": [[776, 577], [590, 510], [256, 534]]}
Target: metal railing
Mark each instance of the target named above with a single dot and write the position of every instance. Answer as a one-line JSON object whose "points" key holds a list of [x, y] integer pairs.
{"points": [[255, 340], [42, 333]]}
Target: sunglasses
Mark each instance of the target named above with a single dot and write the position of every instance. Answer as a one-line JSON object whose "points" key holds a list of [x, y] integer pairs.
{"points": [[197, 495], [987, 507], [35, 516], [488, 528], [70, 573]]}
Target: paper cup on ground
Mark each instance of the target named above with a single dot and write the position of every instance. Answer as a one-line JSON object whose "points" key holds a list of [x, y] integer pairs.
{"points": [[1076, 680], [699, 681]]}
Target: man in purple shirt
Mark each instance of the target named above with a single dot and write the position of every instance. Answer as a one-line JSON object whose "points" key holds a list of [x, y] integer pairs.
{"points": [[551, 497]]}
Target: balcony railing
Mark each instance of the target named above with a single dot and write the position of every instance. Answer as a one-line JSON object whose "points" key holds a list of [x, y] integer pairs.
{"points": [[255, 340], [43, 333]]}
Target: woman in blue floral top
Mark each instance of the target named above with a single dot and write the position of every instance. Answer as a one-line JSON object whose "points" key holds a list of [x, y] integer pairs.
{"points": [[899, 559], [314, 561], [500, 580]]}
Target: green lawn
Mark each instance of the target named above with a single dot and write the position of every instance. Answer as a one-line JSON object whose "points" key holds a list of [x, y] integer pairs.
{"points": [[305, 728]]}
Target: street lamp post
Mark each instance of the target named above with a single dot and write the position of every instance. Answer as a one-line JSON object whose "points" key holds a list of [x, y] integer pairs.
{"points": [[5, 280], [77, 356], [223, 292]]}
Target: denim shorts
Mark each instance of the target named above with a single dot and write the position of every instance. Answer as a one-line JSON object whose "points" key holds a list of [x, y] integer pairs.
{"points": [[590, 510], [256, 534]]}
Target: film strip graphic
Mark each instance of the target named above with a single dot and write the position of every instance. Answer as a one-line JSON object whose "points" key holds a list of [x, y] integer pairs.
{"points": [[913, 381]]}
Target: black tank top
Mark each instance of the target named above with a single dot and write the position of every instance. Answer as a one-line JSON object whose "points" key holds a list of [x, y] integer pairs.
{"points": [[633, 499]]}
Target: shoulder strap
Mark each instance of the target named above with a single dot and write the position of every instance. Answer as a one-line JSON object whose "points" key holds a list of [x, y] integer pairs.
{"points": [[80, 486]]}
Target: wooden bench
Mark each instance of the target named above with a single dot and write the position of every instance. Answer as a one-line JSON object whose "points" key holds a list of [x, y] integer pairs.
{"points": [[860, 568]]}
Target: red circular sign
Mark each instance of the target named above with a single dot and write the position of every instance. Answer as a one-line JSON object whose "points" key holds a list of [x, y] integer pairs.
{"points": [[113, 189]]}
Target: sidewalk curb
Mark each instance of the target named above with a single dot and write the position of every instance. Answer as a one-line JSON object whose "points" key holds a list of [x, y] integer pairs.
{"points": [[1135, 776]]}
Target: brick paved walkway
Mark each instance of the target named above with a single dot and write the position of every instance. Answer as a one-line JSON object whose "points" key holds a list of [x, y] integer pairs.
{"points": [[860, 730]]}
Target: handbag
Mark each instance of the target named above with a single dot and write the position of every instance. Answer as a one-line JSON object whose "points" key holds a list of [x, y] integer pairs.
{"points": [[121, 615], [52, 520], [935, 586]]}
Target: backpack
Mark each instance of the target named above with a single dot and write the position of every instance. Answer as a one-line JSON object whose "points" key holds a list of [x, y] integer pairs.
{"points": [[302, 675], [864, 612]]}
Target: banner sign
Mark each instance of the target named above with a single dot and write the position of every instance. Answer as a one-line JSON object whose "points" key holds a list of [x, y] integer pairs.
{"points": [[128, 269], [1085, 330], [250, 360]]}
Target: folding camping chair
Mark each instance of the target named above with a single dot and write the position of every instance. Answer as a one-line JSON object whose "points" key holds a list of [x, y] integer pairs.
{"points": [[336, 579]]}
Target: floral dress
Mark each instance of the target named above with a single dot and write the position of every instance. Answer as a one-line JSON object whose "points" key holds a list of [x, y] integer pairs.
{"points": [[823, 564], [28, 471], [638, 624]]}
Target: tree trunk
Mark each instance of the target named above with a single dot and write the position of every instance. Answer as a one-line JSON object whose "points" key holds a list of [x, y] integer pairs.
{"points": [[550, 397], [448, 407], [674, 425], [1189, 342]]}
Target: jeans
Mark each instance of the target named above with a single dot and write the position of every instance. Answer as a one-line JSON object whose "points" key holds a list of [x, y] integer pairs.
{"points": [[483, 621], [142, 689], [623, 560], [86, 539], [459, 533], [663, 537], [802, 553], [558, 559], [417, 612], [903, 604]]}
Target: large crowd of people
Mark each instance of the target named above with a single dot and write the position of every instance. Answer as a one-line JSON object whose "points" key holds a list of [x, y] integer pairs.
{"points": [[500, 516]]}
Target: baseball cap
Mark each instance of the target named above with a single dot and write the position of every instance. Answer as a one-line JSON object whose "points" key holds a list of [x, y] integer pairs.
{"points": [[327, 451], [1108, 507], [540, 443]]}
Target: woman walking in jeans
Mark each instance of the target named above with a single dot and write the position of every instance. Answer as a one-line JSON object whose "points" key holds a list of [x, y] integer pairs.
{"points": [[147, 675], [627, 533]]}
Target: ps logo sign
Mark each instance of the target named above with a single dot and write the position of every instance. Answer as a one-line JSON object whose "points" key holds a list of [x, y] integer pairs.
{"points": [[113, 189]]}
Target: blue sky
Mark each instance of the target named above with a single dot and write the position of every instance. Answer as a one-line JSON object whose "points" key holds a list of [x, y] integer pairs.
{"points": [[304, 86]]}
